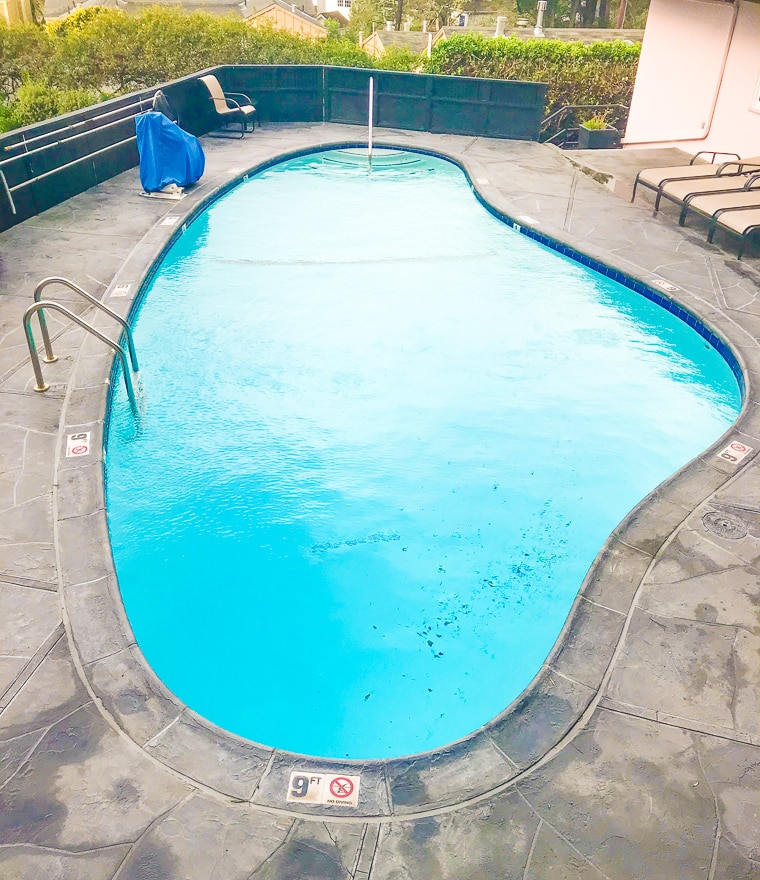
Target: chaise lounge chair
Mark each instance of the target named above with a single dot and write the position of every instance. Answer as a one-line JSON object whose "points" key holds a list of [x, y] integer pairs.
{"points": [[682, 192], [702, 165], [710, 205], [742, 222], [230, 111]]}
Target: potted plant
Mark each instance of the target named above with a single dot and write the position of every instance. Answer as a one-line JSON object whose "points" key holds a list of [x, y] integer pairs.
{"points": [[596, 133]]}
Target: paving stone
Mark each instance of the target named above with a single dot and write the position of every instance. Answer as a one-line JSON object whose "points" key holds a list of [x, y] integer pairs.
{"points": [[98, 622], [13, 753], [682, 667], [651, 523], [82, 539], [689, 556], [27, 617], [37, 470], [731, 865], [197, 749], [31, 863], [133, 695], [10, 667], [747, 545], [732, 773], [53, 690], [553, 858], [28, 523], [451, 775], [80, 489], [615, 576], [624, 796], [746, 670], [374, 799], [309, 853], [730, 596], [539, 718], [490, 840], [74, 462], [588, 641], [84, 787], [202, 839]]}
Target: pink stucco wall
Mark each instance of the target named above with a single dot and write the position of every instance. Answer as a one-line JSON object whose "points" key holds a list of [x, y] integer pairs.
{"points": [[697, 78]]}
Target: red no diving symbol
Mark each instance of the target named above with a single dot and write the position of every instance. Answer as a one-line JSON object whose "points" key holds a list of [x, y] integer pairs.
{"points": [[78, 450], [340, 787], [738, 447]]}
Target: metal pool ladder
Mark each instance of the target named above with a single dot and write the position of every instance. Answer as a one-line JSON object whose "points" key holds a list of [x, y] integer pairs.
{"points": [[40, 305]]}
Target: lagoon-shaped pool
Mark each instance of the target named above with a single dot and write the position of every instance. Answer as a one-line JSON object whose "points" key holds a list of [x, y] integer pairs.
{"points": [[384, 437]]}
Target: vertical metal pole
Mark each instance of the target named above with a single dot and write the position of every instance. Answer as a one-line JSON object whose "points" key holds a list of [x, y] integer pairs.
{"points": [[371, 117], [8, 192], [41, 383]]}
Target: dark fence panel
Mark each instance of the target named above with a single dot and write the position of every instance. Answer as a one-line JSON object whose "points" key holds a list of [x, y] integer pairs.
{"points": [[441, 104], [281, 93], [48, 163]]}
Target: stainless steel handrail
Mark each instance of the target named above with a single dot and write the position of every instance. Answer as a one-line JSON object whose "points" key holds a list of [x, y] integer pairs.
{"points": [[8, 192], [71, 164], [66, 140], [41, 384], [46, 282], [57, 131]]}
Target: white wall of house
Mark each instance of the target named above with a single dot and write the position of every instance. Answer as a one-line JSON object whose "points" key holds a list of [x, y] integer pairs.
{"points": [[342, 6], [698, 82]]}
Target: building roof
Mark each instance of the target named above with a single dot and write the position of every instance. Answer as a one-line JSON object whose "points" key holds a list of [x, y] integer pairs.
{"points": [[567, 35], [238, 8], [292, 8], [335, 15]]}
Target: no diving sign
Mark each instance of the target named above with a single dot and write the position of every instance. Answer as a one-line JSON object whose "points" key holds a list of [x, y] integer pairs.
{"points": [[335, 789], [78, 445], [735, 452]]}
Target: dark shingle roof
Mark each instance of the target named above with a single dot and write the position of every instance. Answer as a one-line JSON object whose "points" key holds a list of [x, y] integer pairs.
{"points": [[567, 35]]}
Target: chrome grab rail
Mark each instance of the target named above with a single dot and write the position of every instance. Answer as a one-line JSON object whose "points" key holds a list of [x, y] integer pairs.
{"points": [[46, 282], [8, 192], [41, 384]]}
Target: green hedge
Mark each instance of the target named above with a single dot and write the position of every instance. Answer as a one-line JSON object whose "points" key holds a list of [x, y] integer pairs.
{"points": [[100, 52], [599, 73]]}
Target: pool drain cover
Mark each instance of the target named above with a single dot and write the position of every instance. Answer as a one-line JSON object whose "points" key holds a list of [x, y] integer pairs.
{"points": [[724, 525]]}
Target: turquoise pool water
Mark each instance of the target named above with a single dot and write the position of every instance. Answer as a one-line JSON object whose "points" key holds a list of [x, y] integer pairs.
{"points": [[384, 438]]}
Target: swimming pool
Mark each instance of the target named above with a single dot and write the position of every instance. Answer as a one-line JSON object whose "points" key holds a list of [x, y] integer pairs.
{"points": [[347, 528]]}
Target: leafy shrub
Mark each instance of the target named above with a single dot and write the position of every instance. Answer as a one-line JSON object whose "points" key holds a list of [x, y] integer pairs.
{"points": [[104, 51], [600, 73], [36, 101]]}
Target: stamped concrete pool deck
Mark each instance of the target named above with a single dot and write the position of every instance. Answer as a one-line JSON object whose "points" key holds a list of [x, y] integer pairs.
{"points": [[635, 753]]}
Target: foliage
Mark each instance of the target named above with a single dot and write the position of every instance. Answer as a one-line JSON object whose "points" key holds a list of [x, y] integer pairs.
{"points": [[97, 52], [600, 73], [396, 58], [595, 123], [22, 49], [35, 101]]}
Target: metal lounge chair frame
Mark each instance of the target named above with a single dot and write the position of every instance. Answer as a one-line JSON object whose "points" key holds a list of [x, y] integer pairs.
{"points": [[710, 205], [699, 166], [229, 110], [725, 181], [743, 232]]}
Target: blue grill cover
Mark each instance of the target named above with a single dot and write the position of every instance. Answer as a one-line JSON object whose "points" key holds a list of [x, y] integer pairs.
{"points": [[167, 154]]}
